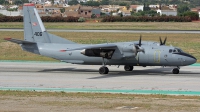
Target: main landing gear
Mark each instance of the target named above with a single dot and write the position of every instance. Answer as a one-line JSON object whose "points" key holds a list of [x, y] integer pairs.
{"points": [[103, 69], [175, 70], [128, 68]]}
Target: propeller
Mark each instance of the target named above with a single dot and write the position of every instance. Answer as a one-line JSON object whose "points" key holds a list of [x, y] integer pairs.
{"points": [[164, 42], [138, 46]]}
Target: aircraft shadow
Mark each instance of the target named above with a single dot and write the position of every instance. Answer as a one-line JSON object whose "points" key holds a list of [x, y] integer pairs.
{"points": [[151, 71], [69, 69]]}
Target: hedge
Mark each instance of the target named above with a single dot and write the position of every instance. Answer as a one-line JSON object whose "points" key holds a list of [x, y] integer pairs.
{"points": [[44, 19], [146, 19], [105, 19]]}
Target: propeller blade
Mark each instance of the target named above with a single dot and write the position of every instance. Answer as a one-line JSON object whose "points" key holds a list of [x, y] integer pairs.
{"points": [[165, 41], [161, 41], [140, 40], [138, 46]]}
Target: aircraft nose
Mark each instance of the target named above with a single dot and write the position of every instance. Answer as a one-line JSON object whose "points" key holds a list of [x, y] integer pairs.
{"points": [[190, 59]]}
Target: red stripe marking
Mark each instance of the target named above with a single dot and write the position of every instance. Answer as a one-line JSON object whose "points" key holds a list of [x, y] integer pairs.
{"points": [[63, 50], [7, 38], [29, 4]]}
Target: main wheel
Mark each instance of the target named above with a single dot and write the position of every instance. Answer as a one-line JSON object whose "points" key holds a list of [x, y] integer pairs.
{"points": [[128, 68], [103, 70], [175, 71]]}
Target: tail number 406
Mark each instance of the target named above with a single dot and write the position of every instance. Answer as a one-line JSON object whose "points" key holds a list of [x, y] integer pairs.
{"points": [[38, 34]]}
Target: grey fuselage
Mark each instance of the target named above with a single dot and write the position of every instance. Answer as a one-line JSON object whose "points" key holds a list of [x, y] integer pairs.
{"points": [[141, 53], [154, 54]]}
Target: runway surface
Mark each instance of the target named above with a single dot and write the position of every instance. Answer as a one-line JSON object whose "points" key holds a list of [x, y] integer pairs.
{"points": [[85, 78], [115, 31]]}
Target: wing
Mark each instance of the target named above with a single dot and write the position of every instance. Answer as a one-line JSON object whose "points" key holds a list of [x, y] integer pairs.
{"points": [[18, 41], [97, 46], [98, 50]]}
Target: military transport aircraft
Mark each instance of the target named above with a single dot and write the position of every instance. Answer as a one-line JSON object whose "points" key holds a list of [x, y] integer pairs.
{"points": [[137, 53]]}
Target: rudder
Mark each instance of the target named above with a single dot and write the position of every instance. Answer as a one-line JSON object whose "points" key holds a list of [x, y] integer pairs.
{"points": [[34, 30]]}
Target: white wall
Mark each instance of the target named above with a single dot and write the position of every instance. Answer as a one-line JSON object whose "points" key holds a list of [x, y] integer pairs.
{"points": [[199, 14], [168, 13], [10, 13], [139, 8]]}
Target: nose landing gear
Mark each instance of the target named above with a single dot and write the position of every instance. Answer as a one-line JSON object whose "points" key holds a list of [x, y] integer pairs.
{"points": [[175, 70]]}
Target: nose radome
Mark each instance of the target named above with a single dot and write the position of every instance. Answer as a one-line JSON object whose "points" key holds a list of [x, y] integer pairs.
{"points": [[191, 60]]}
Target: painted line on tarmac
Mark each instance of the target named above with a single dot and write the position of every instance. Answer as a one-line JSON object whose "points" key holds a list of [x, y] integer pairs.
{"points": [[196, 64], [163, 92], [24, 61]]}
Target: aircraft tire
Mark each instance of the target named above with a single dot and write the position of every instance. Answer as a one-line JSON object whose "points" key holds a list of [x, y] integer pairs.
{"points": [[175, 71], [103, 70], [128, 68]]}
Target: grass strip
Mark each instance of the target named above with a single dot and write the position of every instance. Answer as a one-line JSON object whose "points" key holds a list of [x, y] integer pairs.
{"points": [[190, 43], [113, 25]]}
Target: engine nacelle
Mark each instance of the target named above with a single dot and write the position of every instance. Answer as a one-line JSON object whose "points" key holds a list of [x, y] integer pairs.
{"points": [[129, 50]]}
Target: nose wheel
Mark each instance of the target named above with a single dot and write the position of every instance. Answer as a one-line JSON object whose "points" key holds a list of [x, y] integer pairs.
{"points": [[175, 71]]}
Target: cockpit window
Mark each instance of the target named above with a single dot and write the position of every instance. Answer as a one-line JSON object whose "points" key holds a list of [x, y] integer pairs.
{"points": [[174, 50], [177, 50]]}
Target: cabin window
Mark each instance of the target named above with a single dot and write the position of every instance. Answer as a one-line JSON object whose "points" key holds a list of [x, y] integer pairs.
{"points": [[170, 50]]}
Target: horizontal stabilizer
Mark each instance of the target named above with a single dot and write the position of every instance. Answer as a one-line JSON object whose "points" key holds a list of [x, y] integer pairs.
{"points": [[19, 41]]}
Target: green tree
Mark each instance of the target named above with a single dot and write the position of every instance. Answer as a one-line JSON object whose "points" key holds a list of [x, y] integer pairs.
{"points": [[52, 2], [18, 2], [192, 15], [92, 3], [105, 2], [62, 10], [24, 1], [81, 19], [6, 3], [73, 2], [127, 6], [182, 8], [2, 2], [1, 15], [122, 4], [93, 16]]}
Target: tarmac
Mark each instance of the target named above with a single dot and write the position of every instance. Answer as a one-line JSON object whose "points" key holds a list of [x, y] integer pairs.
{"points": [[55, 76]]}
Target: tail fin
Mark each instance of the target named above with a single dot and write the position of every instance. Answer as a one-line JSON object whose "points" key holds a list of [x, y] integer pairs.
{"points": [[34, 30]]}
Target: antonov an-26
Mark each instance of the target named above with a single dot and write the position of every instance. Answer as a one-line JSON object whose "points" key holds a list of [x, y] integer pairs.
{"points": [[136, 53]]}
